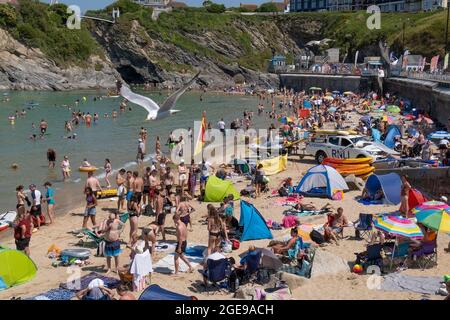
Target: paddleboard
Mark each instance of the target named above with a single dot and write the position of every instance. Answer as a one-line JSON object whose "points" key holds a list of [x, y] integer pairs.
{"points": [[6, 219], [349, 160], [359, 172], [88, 169]]}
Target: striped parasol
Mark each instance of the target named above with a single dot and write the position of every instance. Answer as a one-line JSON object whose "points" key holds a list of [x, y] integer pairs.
{"points": [[437, 218], [398, 226], [428, 205]]}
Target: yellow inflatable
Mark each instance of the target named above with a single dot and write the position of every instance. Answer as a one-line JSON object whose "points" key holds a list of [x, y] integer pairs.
{"points": [[348, 161], [108, 193], [88, 169]]}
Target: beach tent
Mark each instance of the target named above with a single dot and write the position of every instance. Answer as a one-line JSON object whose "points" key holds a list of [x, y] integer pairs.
{"points": [[242, 164], [274, 165], [307, 104], [321, 180], [155, 292], [389, 183], [376, 135], [217, 189], [392, 132], [415, 198], [15, 267], [253, 223]]}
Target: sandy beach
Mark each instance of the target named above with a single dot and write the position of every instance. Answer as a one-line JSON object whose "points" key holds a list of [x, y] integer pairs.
{"points": [[344, 285]]}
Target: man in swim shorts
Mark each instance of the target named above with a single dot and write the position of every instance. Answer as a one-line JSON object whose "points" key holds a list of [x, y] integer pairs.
{"points": [[138, 187], [129, 185], [181, 244]]}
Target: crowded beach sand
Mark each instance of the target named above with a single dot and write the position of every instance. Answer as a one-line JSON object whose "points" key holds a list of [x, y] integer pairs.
{"points": [[329, 284]]}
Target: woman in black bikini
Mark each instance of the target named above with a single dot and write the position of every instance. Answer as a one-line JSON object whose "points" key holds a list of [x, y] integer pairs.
{"points": [[134, 211], [215, 228]]}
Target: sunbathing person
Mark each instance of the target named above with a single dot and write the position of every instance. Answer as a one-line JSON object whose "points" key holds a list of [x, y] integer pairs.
{"points": [[311, 207], [367, 196], [283, 248], [335, 225]]}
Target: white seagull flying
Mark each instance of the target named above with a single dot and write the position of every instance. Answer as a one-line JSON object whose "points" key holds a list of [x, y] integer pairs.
{"points": [[155, 112]]}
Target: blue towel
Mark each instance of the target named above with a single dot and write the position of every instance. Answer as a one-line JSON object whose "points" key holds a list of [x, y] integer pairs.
{"points": [[370, 202], [54, 294], [111, 283]]}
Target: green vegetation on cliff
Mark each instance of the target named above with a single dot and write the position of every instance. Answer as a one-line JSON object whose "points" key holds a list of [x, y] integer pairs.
{"points": [[42, 26]]}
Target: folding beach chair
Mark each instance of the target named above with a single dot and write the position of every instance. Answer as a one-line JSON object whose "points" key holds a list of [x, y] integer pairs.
{"points": [[253, 263], [372, 256], [217, 271], [98, 239], [363, 226], [426, 255], [399, 255]]}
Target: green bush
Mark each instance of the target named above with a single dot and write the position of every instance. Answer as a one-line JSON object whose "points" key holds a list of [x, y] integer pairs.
{"points": [[125, 6], [8, 16], [216, 8], [268, 7]]}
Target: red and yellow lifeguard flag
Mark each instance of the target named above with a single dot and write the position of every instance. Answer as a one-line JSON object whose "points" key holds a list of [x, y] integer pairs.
{"points": [[201, 136]]}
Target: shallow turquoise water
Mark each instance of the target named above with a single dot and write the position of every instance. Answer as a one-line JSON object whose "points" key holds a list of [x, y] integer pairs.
{"points": [[114, 139]]}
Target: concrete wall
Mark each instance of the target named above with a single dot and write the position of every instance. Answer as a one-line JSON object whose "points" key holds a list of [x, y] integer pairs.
{"points": [[425, 95], [300, 82], [432, 182]]}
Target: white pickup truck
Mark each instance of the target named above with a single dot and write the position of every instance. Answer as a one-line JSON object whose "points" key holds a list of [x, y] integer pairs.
{"points": [[345, 146]]}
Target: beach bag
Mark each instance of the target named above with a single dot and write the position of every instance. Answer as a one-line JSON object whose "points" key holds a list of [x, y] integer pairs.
{"points": [[235, 244], [317, 237], [101, 249], [338, 195]]}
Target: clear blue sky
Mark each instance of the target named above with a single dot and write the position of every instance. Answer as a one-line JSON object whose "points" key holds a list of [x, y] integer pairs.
{"points": [[97, 4]]}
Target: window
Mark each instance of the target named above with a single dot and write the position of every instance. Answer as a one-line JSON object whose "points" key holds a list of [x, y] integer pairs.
{"points": [[334, 140], [345, 142]]}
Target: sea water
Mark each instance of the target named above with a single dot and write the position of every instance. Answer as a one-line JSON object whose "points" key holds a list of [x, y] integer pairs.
{"points": [[115, 139]]}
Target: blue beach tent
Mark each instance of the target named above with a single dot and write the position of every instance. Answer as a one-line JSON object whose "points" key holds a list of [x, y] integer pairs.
{"points": [[254, 224], [321, 181], [389, 183], [392, 132], [155, 292]]}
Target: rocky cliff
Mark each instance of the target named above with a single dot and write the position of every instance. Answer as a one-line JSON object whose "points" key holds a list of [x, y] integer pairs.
{"points": [[226, 48]]}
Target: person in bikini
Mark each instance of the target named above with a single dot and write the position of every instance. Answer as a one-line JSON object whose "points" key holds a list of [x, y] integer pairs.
{"points": [[215, 228], [182, 175], [184, 209], [134, 210]]}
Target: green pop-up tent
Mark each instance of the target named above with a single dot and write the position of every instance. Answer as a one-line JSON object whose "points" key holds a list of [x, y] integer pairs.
{"points": [[217, 189], [15, 267]]}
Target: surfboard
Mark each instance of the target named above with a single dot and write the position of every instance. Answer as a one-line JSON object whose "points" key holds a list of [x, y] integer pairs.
{"points": [[6, 219]]}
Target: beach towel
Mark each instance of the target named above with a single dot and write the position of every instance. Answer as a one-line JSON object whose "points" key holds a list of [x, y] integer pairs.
{"points": [[287, 201], [407, 283], [83, 282], [54, 294], [289, 221], [304, 213], [367, 202], [194, 254], [165, 247]]}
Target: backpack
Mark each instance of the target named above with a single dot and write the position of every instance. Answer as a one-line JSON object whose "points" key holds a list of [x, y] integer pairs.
{"points": [[317, 237], [148, 211]]}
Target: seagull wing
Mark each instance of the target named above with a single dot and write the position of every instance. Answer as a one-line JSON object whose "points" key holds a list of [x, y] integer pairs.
{"points": [[145, 102], [171, 101]]}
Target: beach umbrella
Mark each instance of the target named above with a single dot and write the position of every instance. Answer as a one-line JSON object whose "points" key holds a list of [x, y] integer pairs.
{"points": [[329, 93], [430, 205], [336, 92], [286, 120], [388, 119], [398, 226], [434, 215], [393, 109], [329, 98], [315, 89], [348, 93]]}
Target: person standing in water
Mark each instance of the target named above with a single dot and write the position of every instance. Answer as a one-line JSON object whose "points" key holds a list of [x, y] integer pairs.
{"points": [[51, 157], [50, 199], [65, 166], [43, 126], [108, 170]]}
